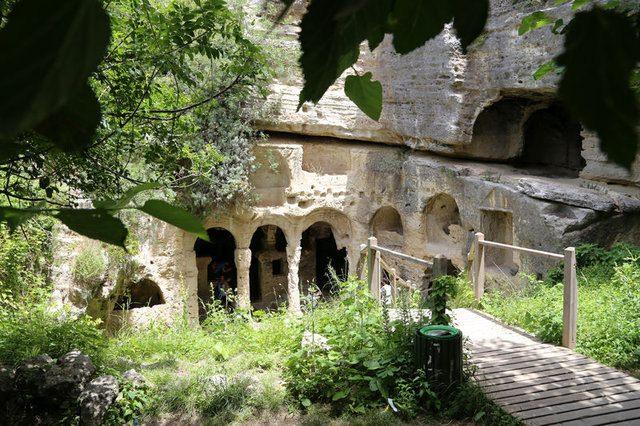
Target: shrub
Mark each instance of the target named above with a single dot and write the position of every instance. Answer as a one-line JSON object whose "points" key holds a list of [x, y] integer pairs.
{"points": [[89, 266], [365, 360], [25, 258], [34, 330]]}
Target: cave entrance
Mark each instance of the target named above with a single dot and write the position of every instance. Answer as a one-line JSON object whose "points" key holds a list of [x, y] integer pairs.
{"points": [[320, 255], [142, 294], [497, 226], [269, 268], [552, 138], [216, 268]]}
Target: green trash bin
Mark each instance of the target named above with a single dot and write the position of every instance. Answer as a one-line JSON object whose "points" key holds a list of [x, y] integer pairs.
{"points": [[438, 351]]}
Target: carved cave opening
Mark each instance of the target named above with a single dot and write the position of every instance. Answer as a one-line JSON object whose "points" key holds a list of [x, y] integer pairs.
{"points": [[497, 226], [216, 268], [531, 132], [444, 232], [320, 255], [386, 226], [269, 268], [552, 138], [141, 294]]}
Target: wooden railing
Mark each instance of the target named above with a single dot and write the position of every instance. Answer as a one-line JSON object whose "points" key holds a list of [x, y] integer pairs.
{"points": [[375, 265], [570, 295]]}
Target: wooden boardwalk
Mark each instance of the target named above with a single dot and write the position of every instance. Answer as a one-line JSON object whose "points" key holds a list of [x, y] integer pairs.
{"points": [[543, 384]]}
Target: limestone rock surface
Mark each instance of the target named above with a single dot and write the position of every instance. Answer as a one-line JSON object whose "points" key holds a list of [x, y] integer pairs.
{"points": [[96, 399]]}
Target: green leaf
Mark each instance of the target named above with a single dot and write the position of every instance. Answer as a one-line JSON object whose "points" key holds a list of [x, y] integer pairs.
{"points": [[175, 216], [601, 50], [534, 21], [95, 223], [416, 21], [73, 126], [306, 402], [48, 49], [14, 217], [340, 395], [122, 202], [545, 69], [330, 35], [365, 93]]}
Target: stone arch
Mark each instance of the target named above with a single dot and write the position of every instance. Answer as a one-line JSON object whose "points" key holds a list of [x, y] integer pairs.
{"points": [[140, 294], [340, 224], [271, 177], [217, 274], [268, 281], [445, 234], [386, 226], [319, 253]]}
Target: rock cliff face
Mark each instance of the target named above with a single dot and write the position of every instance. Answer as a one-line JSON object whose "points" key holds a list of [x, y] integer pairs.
{"points": [[466, 143], [435, 96]]}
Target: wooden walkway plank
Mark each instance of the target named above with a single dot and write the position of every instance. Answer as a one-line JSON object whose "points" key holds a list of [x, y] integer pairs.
{"points": [[631, 417], [524, 383], [543, 384], [578, 405], [567, 399], [561, 385], [585, 413]]}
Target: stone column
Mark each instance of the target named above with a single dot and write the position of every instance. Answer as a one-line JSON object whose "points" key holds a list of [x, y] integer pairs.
{"points": [[293, 262], [243, 263]]}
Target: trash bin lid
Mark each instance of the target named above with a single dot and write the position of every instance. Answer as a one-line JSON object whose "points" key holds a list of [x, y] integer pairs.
{"points": [[439, 332]]}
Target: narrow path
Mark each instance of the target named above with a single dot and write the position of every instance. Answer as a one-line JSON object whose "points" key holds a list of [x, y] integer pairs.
{"points": [[543, 384]]}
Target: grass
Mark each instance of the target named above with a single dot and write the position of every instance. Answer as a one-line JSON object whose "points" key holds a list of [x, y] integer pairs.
{"points": [[237, 369]]}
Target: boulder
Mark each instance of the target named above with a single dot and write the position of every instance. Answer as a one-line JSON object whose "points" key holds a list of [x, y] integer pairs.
{"points": [[96, 398], [7, 377], [67, 378], [31, 373], [134, 377]]}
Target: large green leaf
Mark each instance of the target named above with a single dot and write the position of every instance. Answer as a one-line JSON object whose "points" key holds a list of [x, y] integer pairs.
{"points": [[14, 217], [73, 126], [365, 93], [175, 216], [330, 37], [48, 49], [601, 50], [94, 223], [126, 198], [416, 21]]}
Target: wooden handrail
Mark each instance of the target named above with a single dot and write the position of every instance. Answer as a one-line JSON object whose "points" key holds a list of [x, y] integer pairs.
{"points": [[570, 294], [402, 256], [524, 249]]}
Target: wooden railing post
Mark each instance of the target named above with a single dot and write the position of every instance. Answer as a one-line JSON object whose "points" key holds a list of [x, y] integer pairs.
{"points": [[440, 264], [394, 286], [570, 300], [377, 276], [373, 267], [478, 266]]}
